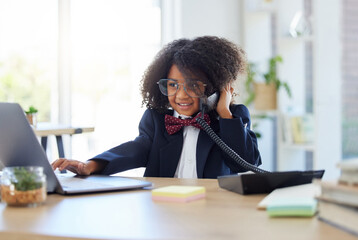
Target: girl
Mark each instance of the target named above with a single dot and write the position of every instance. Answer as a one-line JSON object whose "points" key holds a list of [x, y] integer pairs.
{"points": [[182, 73]]}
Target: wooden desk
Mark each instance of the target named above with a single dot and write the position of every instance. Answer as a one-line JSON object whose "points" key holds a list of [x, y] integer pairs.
{"points": [[44, 130], [133, 215]]}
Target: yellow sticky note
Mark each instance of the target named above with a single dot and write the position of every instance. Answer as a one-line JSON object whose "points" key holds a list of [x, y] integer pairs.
{"points": [[178, 193]]}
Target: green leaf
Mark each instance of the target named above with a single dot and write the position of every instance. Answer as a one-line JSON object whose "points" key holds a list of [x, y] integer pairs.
{"points": [[258, 134], [32, 109], [25, 180], [250, 99], [288, 90]]}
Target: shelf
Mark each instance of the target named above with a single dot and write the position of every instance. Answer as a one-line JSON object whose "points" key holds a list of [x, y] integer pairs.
{"points": [[272, 32], [299, 146], [259, 7], [268, 113], [296, 39]]}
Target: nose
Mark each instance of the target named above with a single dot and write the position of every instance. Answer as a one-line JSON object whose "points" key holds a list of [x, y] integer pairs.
{"points": [[181, 93]]}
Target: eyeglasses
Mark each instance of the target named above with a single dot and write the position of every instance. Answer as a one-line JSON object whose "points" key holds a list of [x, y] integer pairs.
{"points": [[193, 88]]}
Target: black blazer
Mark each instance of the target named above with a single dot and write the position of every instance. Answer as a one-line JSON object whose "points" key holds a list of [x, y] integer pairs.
{"points": [[159, 152]]}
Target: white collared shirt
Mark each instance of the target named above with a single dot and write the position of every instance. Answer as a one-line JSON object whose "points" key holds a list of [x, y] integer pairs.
{"points": [[187, 163]]}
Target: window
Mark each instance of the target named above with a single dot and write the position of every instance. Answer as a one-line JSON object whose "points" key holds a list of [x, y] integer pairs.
{"points": [[79, 62], [112, 43], [28, 53], [349, 79]]}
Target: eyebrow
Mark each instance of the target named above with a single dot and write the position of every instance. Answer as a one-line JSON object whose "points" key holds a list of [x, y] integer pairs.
{"points": [[185, 79]]}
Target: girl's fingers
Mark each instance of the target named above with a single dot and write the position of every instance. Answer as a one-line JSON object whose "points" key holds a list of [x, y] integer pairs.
{"points": [[57, 163], [74, 166], [63, 163]]}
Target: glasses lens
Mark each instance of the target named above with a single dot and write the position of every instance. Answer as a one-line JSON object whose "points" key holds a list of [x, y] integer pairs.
{"points": [[168, 87], [195, 88]]}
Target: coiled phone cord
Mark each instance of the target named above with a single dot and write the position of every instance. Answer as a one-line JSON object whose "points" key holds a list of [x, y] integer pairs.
{"points": [[227, 149]]}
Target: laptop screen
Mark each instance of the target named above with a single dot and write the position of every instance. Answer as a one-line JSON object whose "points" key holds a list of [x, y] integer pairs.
{"points": [[19, 145]]}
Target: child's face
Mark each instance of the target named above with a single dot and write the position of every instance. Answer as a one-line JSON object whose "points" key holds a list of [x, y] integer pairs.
{"points": [[181, 101]]}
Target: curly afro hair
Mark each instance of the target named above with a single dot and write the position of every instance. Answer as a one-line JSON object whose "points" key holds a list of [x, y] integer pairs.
{"points": [[215, 61]]}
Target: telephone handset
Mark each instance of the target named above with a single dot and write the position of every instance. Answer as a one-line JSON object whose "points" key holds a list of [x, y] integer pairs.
{"points": [[209, 103], [213, 100]]}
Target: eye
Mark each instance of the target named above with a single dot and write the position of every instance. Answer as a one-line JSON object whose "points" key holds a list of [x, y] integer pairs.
{"points": [[172, 84], [192, 85]]}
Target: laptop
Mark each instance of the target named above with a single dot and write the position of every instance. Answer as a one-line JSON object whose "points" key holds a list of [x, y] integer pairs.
{"points": [[19, 146]]}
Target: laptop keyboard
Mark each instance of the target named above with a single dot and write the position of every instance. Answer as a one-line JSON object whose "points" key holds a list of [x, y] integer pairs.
{"points": [[74, 182]]}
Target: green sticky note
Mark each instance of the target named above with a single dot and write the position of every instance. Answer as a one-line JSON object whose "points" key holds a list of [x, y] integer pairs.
{"points": [[292, 207]]}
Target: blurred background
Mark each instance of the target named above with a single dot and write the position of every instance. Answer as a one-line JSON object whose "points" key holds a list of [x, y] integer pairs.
{"points": [[80, 62]]}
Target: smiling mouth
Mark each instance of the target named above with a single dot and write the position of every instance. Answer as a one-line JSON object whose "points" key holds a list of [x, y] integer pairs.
{"points": [[184, 104]]}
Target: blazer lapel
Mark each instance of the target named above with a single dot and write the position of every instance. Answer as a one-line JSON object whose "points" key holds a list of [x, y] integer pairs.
{"points": [[170, 154], [204, 145]]}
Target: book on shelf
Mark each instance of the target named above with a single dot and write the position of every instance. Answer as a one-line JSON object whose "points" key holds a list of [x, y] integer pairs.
{"points": [[339, 215], [286, 129], [298, 129], [296, 126]]}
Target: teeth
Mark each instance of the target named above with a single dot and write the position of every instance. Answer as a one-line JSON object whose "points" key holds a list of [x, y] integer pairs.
{"points": [[184, 104]]}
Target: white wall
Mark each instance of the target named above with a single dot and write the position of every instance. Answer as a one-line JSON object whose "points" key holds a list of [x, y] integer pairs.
{"points": [[193, 18], [328, 85]]}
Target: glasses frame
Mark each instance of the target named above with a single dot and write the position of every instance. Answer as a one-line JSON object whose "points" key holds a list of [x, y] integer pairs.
{"points": [[178, 86]]}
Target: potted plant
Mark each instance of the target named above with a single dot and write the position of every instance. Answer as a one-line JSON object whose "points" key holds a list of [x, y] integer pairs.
{"points": [[249, 84], [264, 94], [23, 186], [31, 115]]}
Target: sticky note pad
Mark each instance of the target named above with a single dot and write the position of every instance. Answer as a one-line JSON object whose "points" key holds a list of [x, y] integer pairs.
{"points": [[178, 193], [292, 207]]}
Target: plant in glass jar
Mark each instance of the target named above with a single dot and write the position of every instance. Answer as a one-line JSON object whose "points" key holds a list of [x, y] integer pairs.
{"points": [[23, 186]]}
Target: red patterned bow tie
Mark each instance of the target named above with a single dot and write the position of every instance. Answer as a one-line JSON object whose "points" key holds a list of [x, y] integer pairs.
{"points": [[173, 124]]}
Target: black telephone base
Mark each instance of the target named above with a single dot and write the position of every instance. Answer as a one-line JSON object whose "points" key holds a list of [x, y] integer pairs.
{"points": [[256, 183]]}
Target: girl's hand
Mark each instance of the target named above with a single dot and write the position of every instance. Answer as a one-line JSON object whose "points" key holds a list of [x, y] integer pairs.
{"points": [[78, 167], [224, 102]]}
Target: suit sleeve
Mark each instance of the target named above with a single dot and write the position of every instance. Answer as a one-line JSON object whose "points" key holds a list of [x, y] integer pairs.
{"points": [[237, 135], [132, 154]]}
